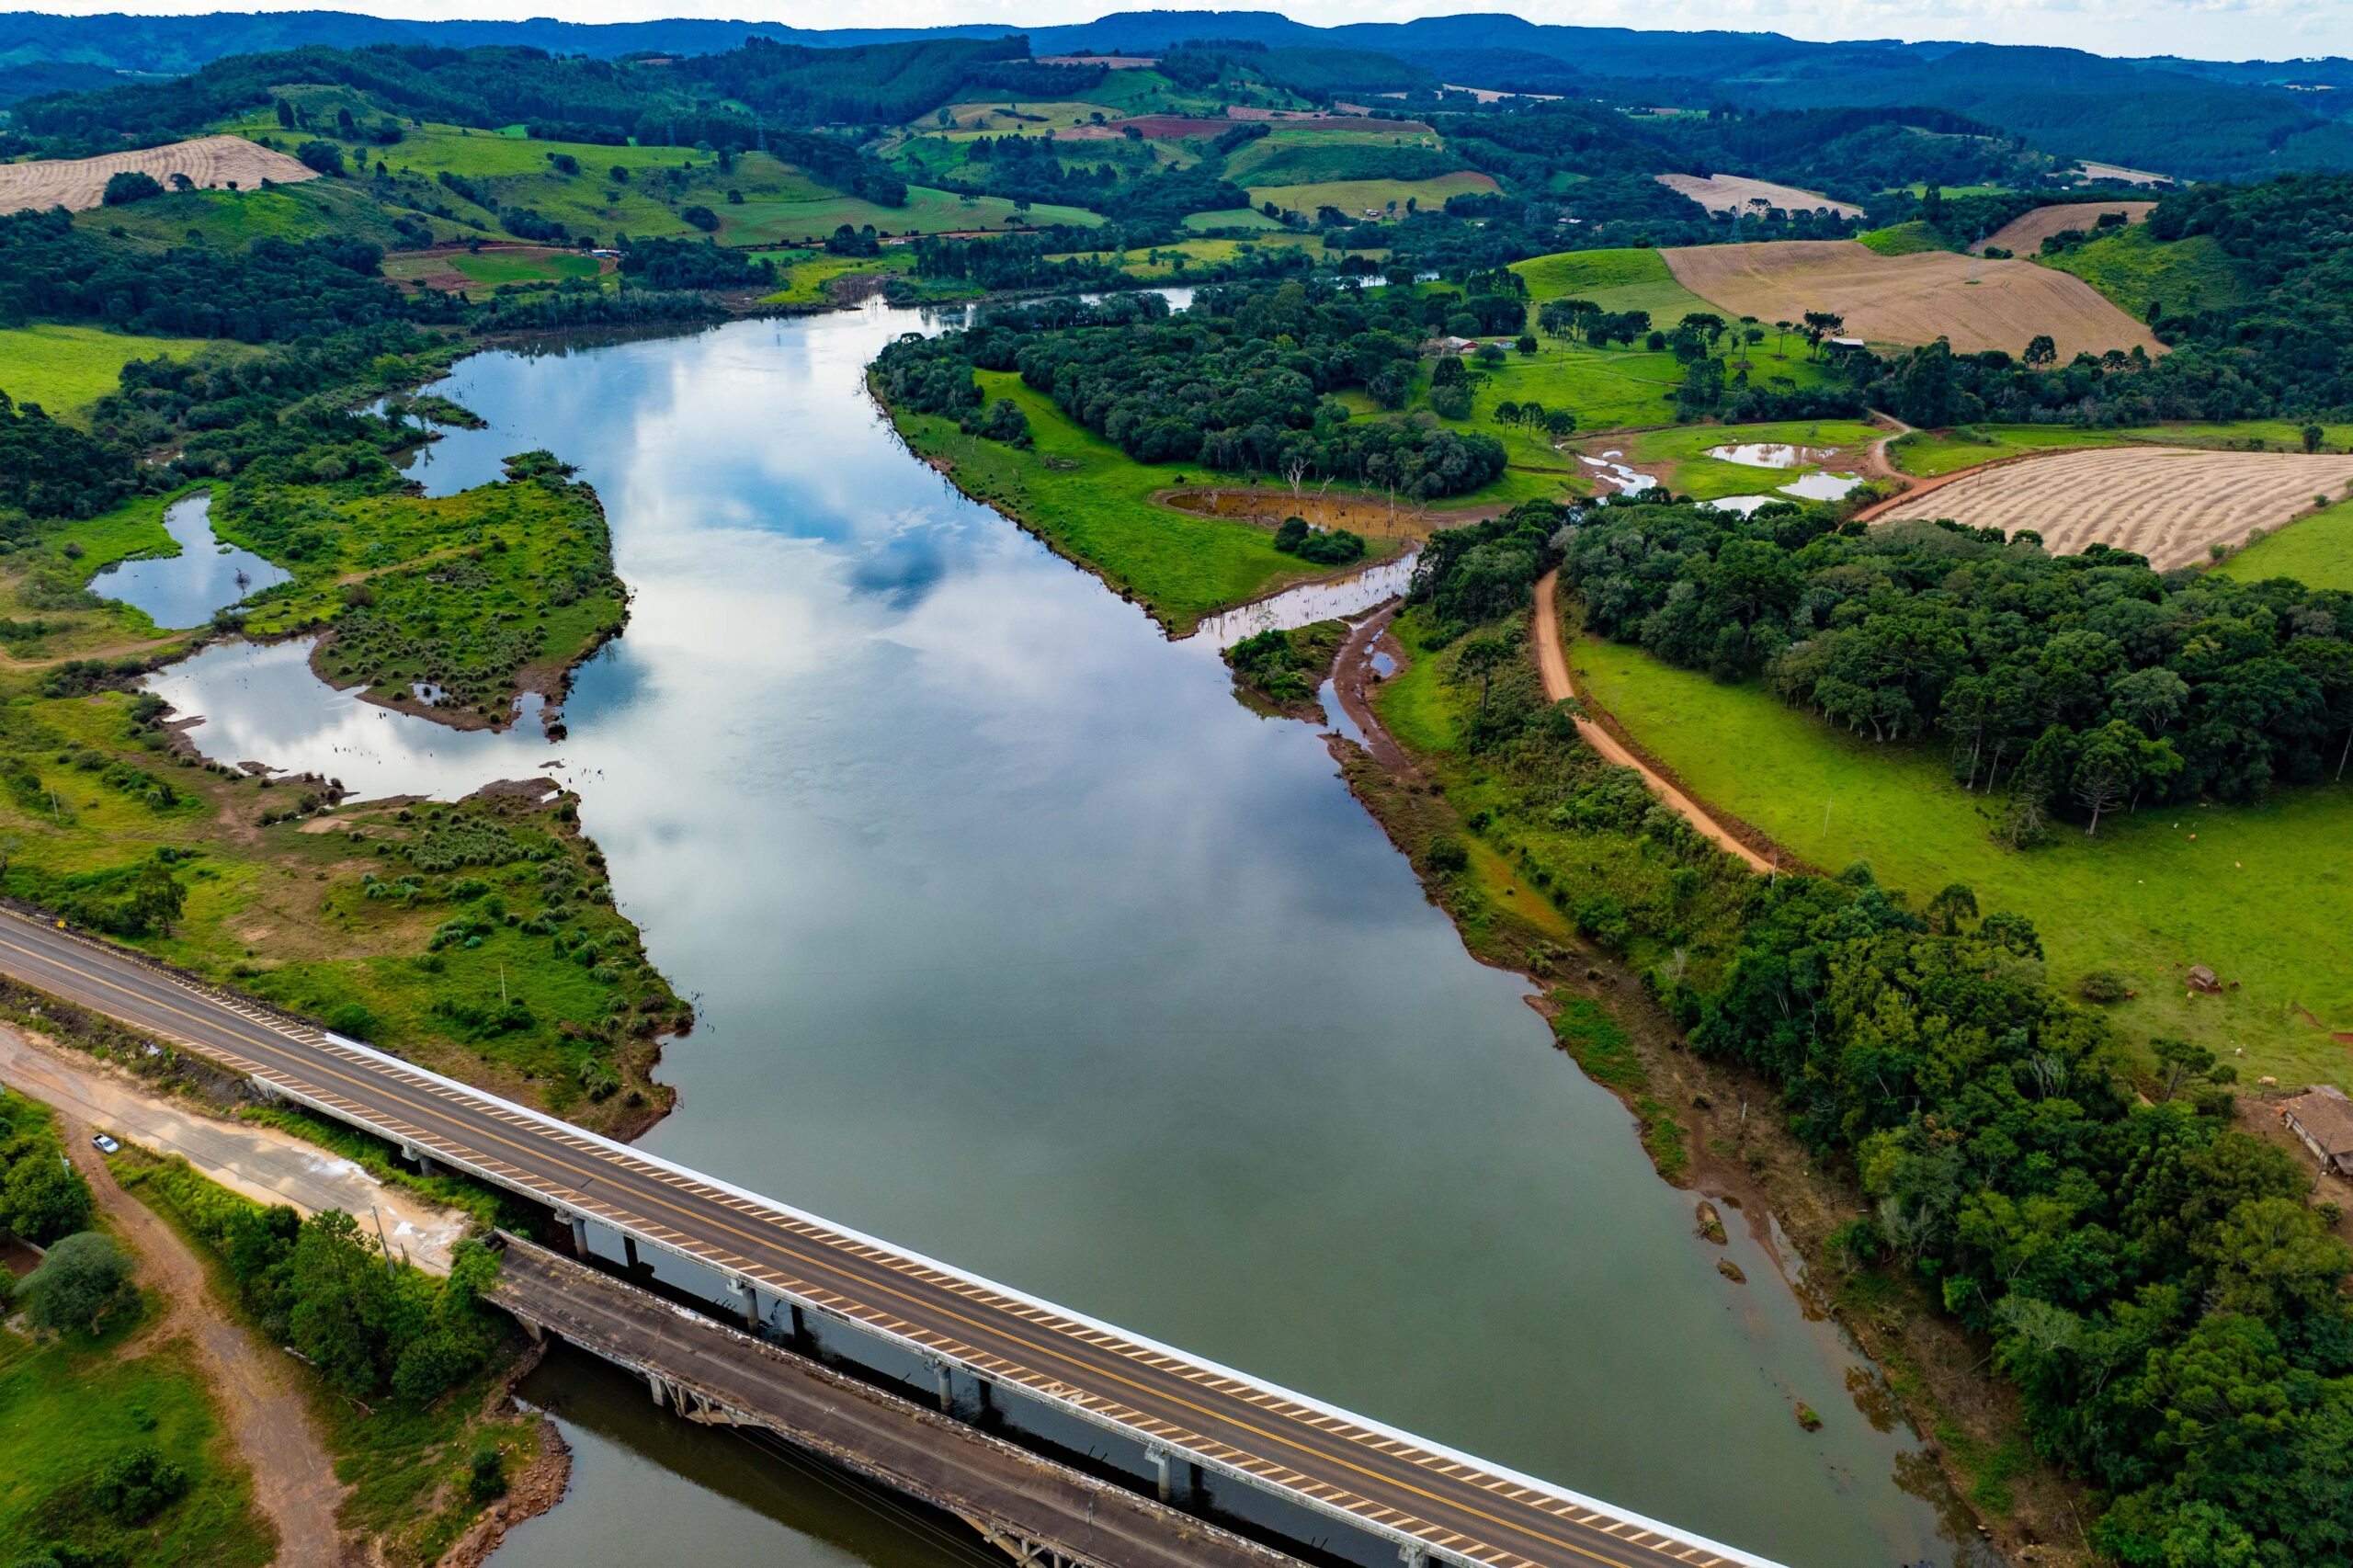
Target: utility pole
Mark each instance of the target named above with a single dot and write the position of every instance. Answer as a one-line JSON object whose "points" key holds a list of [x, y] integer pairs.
{"points": [[391, 1272]]}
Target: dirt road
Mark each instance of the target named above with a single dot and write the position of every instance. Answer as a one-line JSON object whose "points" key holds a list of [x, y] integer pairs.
{"points": [[294, 1481], [261, 1163], [1552, 659]]}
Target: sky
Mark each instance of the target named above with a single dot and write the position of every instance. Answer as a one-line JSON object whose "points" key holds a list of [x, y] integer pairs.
{"points": [[2211, 29]]}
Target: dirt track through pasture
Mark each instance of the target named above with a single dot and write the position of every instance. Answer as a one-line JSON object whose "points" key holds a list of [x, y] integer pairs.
{"points": [[2166, 502], [1975, 303], [211, 161]]}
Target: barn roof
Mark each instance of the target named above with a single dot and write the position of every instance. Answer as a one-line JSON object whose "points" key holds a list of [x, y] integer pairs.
{"points": [[2325, 1117]]}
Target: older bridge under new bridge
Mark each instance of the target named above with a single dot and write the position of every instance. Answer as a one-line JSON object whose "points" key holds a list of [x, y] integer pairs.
{"points": [[1210, 1456]]}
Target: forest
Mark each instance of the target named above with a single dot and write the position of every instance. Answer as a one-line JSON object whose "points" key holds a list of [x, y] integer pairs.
{"points": [[2077, 685], [2149, 1278], [1242, 381]]}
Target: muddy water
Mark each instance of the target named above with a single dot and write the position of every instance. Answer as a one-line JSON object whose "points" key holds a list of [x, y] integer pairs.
{"points": [[1017, 941]]}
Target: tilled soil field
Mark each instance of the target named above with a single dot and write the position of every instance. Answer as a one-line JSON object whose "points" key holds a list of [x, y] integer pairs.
{"points": [[1975, 303], [211, 161], [2166, 502], [2024, 236], [1732, 193]]}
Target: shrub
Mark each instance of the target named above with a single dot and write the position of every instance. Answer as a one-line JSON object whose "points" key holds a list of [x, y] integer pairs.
{"points": [[1447, 855], [136, 1486], [702, 218], [2102, 985], [131, 185], [84, 1277], [324, 157], [353, 1020]]}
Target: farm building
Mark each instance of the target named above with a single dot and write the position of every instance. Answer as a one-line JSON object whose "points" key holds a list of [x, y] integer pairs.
{"points": [[2322, 1118]]}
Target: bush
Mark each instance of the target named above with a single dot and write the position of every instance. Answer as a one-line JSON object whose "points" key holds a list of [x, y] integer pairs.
{"points": [[487, 1479], [1447, 855], [324, 157], [136, 1486], [2102, 985], [353, 1020], [702, 218], [131, 185], [84, 1277]]}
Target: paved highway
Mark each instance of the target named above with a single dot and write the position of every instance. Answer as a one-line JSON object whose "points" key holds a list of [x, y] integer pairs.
{"points": [[1457, 1506]]}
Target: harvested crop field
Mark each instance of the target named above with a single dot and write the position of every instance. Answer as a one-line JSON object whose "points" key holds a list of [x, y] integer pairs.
{"points": [[2170, 504], [211, 161], [2024, 236], [1975, 303], [1731, 193]]}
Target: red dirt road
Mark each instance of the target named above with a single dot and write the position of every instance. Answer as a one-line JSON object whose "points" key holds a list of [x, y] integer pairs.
{"points": [[1553, 660]]}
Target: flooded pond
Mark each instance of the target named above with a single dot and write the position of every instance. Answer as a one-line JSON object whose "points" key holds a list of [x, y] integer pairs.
{"points": [[1629, 481], [183, 590], [1016, 940], [1338, 599], [1769, 454]]}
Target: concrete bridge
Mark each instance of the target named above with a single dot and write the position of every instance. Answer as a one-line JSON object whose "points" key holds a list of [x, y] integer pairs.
{"points": [[1197, 1440]]}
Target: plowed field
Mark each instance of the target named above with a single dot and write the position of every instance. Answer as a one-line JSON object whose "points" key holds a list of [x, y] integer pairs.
{"points": [[1976, 304], [209, 161], [2166, 502], [1731, 193], [2024, 236]]}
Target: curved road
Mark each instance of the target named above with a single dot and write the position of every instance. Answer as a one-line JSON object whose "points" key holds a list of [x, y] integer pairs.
{"points": [[1470, 1511], [1554, 661]]}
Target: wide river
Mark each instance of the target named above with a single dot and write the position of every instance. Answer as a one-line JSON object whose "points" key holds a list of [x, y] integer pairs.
{"points": [[1017, 940]]}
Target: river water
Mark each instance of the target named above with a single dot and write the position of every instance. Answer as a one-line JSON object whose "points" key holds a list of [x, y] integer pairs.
{"points": [[1017, 940]]}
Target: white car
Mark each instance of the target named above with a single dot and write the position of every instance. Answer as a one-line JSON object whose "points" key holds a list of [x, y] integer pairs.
{"points": [[106, 1144]]}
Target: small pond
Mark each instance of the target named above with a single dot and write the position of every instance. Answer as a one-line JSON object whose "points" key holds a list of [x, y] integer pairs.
{"points": [[1769, 454], [183, 590]]}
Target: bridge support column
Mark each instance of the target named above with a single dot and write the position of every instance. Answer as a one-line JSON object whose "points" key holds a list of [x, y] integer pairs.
{"points": [[1163, 1464], [799, 1327], [580, 1237], [425, 1166], [943, 1379], [1413, 1556], [747, 1296], [659, 1389]]}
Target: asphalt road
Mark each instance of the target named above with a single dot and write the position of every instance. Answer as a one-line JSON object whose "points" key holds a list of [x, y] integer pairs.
{"points": [[1445, 1499]]}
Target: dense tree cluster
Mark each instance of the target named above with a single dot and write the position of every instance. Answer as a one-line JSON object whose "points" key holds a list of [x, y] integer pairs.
{"points": [[42, 1198], [2079, 684], [692, 264], [2151, 1278], [48, 470], [1242, 381]]}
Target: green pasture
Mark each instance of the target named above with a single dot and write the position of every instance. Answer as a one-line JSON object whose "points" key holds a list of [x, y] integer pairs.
{"points": [[1682, 454], [805, 275], [2133, 268], [1901, 239], [2237, 889], [64, 368], [1614, 280], [1095, 504], [232, 220], [1357, 196], [1230, 218], [491, 268], [2316, 552]]}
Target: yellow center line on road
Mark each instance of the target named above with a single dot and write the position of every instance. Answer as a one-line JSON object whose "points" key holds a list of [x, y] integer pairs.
{"points": [[918, 1303]]}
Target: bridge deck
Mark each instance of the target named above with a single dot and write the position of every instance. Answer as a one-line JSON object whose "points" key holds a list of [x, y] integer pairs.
{"points": [[1459, 1507], [717, 1372]]}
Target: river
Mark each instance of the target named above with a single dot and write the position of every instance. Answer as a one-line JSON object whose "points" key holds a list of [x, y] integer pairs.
{"points": [[1017, 940]]}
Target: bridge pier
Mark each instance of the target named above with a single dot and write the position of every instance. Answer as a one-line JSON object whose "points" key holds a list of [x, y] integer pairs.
{"points": [[943, 1379], [425, 1166], [580, 1237], [1162, 1463], [659, 1389], [747, 1297]]}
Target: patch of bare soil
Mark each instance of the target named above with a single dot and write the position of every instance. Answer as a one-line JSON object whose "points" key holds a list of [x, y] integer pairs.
{"points": [[1732, 193], [1976, 304], [2170, 504], [264, 1412], [2024, 236], [1374, 517], [212, 162]]}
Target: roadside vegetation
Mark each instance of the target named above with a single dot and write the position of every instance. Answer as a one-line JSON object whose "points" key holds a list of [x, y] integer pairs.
{"points": [[111, 1451]]}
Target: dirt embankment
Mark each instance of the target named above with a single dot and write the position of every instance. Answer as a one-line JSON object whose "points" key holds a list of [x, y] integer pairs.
{"points": [[1732, 193], [2024, 236]]}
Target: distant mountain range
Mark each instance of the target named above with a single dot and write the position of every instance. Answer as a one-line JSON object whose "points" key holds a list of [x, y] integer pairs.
{"points": [[2183, 117]]}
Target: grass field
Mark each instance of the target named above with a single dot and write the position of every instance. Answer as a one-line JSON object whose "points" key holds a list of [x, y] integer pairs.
{"points": [[2317, 552], [63, 368], [1159, 261], [233, 220], [2133, 268], [1680, 456], [1358, 195], [1310, 157], [2246, 896], [1091, 502], [1614, 280], [491, 268], [807, 275], [1230, 218], [1927, 453], [67, 1407], [1901, 239]]}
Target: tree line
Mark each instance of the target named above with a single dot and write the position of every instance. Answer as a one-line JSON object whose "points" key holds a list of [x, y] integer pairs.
{"points": [[2075, 686], [1244, 381], [2151, 1278]]}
